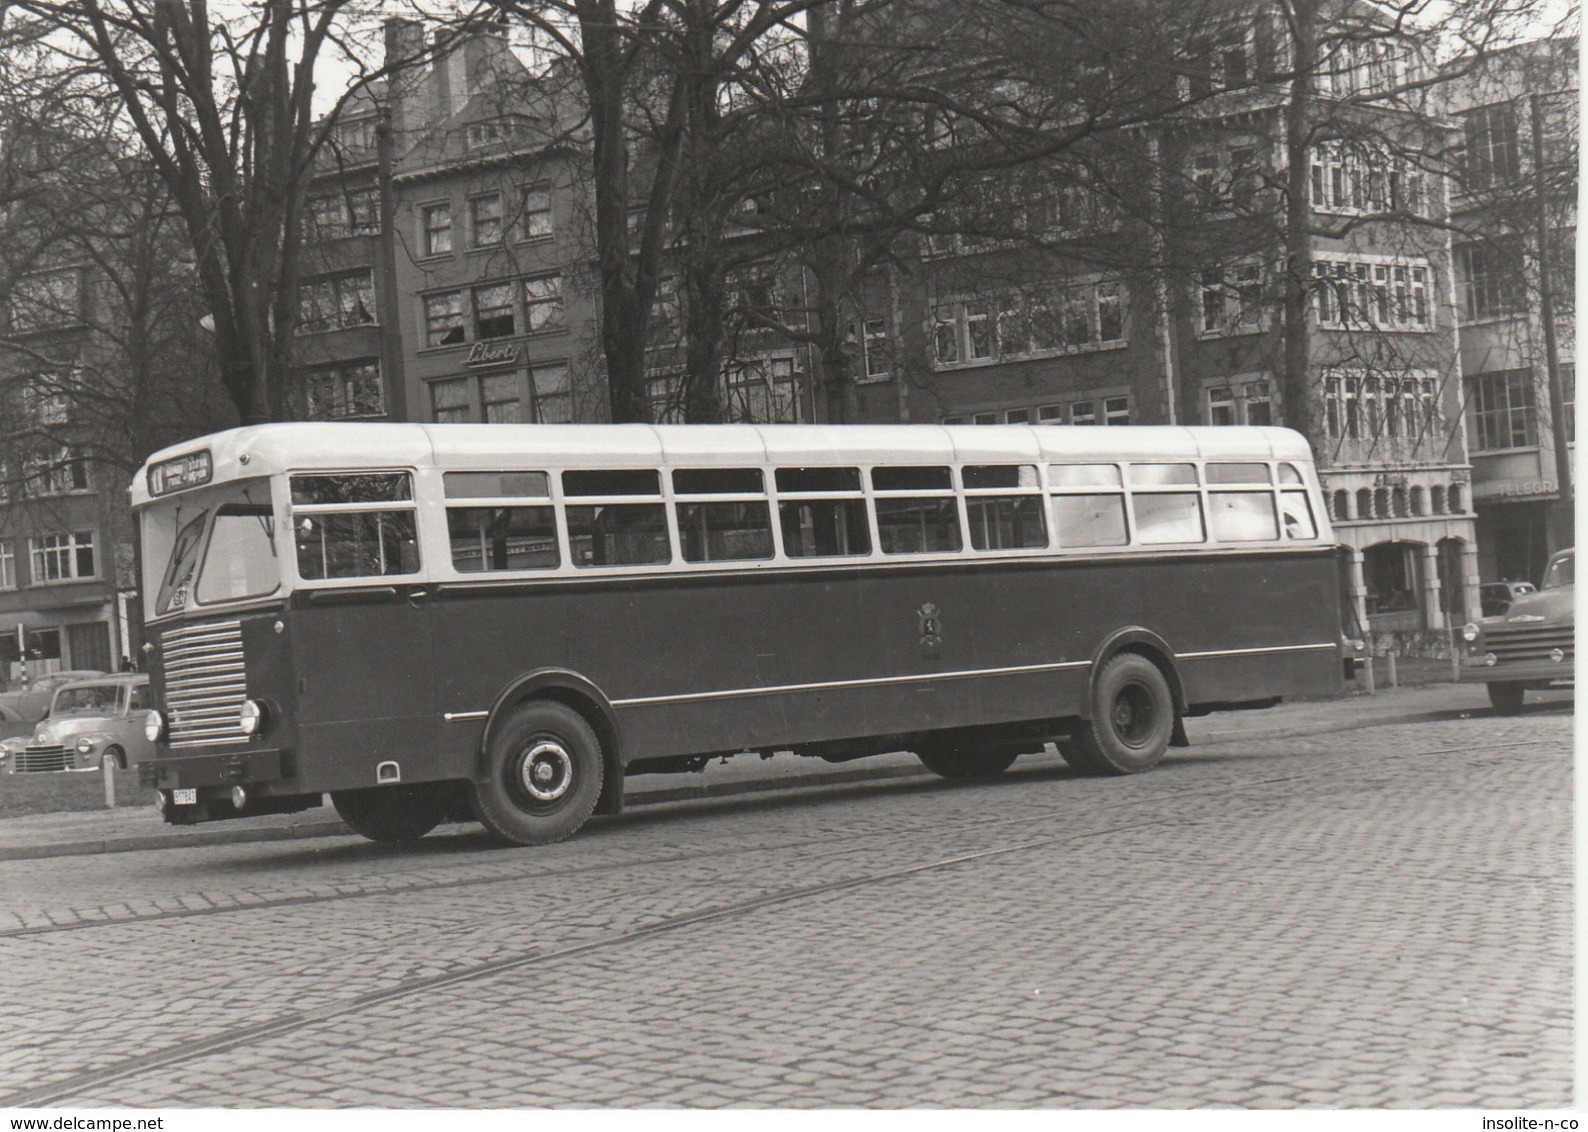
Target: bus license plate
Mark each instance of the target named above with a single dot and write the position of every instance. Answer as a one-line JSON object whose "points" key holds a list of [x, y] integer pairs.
{"points": [[185, 797]]}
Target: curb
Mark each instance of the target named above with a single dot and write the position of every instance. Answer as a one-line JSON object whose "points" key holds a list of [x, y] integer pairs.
{"points": [[333, 827]]}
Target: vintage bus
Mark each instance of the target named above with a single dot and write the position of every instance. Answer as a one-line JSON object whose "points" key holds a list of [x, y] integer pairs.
{"points": [[438, 622]]}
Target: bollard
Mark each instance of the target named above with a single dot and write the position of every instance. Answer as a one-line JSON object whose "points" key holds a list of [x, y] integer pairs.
{"points": [[1367, 674], [1455, 658], [1393, 682], [108, 766]]}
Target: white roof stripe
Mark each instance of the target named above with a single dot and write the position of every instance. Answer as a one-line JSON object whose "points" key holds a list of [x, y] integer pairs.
{"points": [[273, 448]]}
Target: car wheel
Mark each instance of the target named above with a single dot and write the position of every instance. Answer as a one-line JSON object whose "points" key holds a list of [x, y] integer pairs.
{"points": [[114, 756], [956, 761], [392, 813], [1132, 720], [542, 775], [1507, 697]]}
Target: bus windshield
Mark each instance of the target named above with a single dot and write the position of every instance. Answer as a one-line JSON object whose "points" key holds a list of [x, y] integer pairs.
{"points": [[211, 548]]}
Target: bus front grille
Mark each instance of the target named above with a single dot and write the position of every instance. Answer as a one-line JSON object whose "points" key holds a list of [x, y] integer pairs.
{"points": [[1519, 644], [204, 684]]}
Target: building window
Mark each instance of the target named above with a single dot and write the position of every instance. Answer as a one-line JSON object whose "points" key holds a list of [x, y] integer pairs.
{"points": [[1083, 413], [1362, 294], [436, 238], [449, 400], [535, 222], [1493, 156], [1116, 410], [58, 558], [543, 309], [444, 319], [1568, 386], [1060, 318], [875, 352], [762, 391], [1490, 274], [984, 418], [335, 302], [1504, 410], [485, 220], [1232, 299], [355, 137], [552, 400], [1367, 407], [1017, 416], [494, 316], [49, 299], [1258, 403], [8, 564], [344, 392], [1221, 407], [352, 213], [500, 398], [509, 129], [1050, 414], [57, 472]]}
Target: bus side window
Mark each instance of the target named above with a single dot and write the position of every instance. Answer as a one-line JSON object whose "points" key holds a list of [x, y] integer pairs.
{"points": [[1162, 517], [824, 528], [1298, 515], [1242, 516], [502, 538], [1089, 520], [722, 530], [828, 527], [1004, 522], [618, 534], [916, 524], [362, 544]]}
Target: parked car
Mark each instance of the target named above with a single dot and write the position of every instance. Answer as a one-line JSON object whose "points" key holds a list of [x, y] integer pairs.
{"points": [[1532, 644], [90, 722], [29, 704], [1496, 597]]}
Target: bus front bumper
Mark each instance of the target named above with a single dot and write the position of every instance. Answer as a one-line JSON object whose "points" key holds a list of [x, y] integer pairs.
{"points": [[238, 783]]}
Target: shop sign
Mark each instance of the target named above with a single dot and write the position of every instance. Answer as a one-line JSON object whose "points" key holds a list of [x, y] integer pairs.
{"points": [[492, 354]]}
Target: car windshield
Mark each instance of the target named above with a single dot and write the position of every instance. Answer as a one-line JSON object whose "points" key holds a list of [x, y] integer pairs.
{"points": [[214, 547], [1559, 573], [100, 699]]}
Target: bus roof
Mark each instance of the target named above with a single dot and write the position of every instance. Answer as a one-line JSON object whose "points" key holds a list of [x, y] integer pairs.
{"points": [[273, 448]]}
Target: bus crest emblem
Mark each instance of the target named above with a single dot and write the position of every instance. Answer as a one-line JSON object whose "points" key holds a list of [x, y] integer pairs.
{"points": [[931, 629]]}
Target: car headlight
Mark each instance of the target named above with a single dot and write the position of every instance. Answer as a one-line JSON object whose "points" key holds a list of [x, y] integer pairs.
{"points": [[85, 745], [1469, 632], [251, 717], [153, 726]]}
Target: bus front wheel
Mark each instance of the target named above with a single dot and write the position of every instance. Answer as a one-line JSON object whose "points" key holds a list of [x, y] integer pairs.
{"points": [[1131, 722], [392, 813], [542, 775]]}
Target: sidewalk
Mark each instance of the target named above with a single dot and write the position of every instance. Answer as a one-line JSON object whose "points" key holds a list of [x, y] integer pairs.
{"points": [[131, 828]]}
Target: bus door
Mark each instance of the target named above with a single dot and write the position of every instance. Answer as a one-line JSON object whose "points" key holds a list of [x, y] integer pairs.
{"points": [[363, 646]]}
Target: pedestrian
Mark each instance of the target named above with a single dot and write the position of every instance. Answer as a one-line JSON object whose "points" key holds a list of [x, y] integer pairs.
{"points": [[128, 664]]}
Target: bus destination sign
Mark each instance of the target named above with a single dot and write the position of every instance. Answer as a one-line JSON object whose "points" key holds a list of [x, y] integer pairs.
{"points": [[192, 470]]}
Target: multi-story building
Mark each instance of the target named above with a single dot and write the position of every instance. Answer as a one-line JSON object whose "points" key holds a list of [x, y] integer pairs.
{"points": [[1499, 196], [477, 300], [1060, 338]]}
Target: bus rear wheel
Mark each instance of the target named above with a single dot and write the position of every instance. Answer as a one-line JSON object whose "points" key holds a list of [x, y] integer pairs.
{"points": [[1131, 722], [392, 813], [950, 760], [542, 775]]}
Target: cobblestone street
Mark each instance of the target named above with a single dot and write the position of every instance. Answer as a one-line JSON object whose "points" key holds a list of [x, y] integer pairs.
{"points": [[1380, 918]]}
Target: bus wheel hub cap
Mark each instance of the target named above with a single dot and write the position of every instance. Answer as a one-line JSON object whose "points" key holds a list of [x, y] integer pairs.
{"points": [[545, 771]]}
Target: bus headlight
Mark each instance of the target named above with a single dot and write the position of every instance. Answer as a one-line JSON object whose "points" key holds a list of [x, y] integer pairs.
{"points": [[153, 726], [1469, 632], [251, 717]]}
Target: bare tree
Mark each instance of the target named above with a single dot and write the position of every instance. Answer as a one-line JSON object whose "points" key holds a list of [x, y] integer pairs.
{"points": [[222, 106]]}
